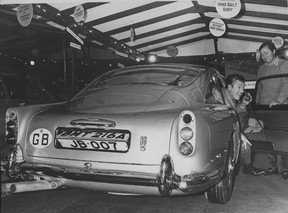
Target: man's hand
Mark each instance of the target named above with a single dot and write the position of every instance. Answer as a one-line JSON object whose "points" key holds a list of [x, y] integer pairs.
{"points": [[246, 100], [245, 141]]}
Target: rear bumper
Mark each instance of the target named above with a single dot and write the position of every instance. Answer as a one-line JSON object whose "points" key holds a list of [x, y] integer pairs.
{"points": [[117, 177], [166, 180]]}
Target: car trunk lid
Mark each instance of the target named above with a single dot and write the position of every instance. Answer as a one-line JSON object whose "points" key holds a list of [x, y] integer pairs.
{"points": [[134, 138]]}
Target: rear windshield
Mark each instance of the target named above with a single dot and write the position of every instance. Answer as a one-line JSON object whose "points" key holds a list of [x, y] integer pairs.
{"points": [[174, 77]]}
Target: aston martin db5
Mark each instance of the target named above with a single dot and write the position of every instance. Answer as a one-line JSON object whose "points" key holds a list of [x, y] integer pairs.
{"points": [[147, 129]]}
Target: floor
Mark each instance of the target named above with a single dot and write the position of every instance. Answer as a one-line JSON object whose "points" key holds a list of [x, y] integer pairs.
{"points": [[262, 194]]}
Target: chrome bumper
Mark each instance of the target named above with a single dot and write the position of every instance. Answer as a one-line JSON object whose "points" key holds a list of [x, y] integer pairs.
{"points": [[166, 180], [117, 177]]}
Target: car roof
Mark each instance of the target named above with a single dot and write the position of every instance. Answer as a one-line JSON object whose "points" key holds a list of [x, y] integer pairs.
{"points": [[197, 69]]}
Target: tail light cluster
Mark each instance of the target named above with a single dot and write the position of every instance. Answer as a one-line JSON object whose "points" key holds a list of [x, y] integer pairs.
{"points": [[186, 134], [11, 126]]}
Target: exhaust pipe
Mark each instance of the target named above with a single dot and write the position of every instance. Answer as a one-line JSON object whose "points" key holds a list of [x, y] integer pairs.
{"points": [[30, 186]]}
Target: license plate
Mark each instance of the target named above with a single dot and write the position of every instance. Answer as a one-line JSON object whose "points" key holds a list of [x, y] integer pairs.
{"points": [[93, 139], [113, 146]]}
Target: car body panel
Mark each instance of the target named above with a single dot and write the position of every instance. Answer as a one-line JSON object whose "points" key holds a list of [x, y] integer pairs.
{"points": [[125, 122]]}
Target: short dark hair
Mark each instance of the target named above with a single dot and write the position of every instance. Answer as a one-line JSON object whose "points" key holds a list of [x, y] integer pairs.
{"points": [[230, 79], [268, 44]]}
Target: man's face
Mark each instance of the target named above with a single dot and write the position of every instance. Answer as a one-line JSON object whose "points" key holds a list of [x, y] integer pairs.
{"points": [[267, 55], [236, 89]]}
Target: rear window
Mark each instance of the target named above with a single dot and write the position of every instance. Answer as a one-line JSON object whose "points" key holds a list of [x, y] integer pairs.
{"points": [[174, 77]]}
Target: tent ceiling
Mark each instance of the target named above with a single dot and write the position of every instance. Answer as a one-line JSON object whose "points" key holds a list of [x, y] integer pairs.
{"points": [[157, 24]]}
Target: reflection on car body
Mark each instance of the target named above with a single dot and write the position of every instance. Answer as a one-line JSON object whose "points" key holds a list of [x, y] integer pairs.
{"points": [[138, 130]]}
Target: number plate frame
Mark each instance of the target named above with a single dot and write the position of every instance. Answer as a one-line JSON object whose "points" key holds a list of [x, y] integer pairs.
{"points": [[91, 139]]}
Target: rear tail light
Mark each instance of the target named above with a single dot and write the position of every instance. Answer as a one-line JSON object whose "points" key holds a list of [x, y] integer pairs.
{"points": [[187, 118], [186, 128], [186, 133], [186, 148], [11, 126]]}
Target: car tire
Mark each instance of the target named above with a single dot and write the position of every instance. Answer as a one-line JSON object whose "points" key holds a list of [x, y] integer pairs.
{"points": [[222, 191]]}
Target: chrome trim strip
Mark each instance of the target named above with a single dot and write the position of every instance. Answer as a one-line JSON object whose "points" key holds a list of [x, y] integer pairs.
{"points": [[117, 177]]}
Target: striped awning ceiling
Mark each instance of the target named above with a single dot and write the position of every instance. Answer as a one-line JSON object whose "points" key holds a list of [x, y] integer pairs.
{"points": [[156, 24]]}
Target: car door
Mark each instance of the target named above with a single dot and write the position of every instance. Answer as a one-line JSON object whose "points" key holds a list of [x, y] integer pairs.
{"points": [[224, 119], [275, 119]]}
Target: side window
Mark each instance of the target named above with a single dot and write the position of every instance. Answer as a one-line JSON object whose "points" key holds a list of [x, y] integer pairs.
{"points": [[214, 94], [272, 89]]}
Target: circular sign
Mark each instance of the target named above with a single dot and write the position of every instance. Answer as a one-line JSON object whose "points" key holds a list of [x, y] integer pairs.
{"points": [[40, 138], [217, 27], [80, 14], [24, 14], [172, 51], [278, 42], [228, 8]]}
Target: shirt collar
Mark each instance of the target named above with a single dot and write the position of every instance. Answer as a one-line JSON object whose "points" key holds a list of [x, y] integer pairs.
{"points": [[275, 61]]}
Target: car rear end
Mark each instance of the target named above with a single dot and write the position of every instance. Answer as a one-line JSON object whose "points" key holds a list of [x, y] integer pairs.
{"points": [[128, 133], [118, 153]]}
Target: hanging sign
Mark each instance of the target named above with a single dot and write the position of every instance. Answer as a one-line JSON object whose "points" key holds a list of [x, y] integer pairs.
{"points": [[25, 14], [217, 27], [228, 8], [172, 51], [80, 14], [278, 42]]}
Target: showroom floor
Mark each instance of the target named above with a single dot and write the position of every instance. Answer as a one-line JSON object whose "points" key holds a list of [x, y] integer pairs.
{"points": [[252, 194]]}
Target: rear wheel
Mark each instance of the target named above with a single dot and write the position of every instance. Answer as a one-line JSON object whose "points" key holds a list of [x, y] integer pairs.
{"points": [[222, 191]]}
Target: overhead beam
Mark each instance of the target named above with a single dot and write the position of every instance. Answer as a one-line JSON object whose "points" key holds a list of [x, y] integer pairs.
{"points": [[172, 37], [154, 20], [179, 43], [203, 17], [91, 33], [165, 29], [129, 12]]}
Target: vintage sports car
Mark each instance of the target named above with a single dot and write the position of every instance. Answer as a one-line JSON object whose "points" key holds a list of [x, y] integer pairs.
{"points": [[146, 129]]}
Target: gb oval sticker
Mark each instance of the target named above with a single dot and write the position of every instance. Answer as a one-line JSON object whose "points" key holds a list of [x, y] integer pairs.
{"points": [[40, 138]]}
